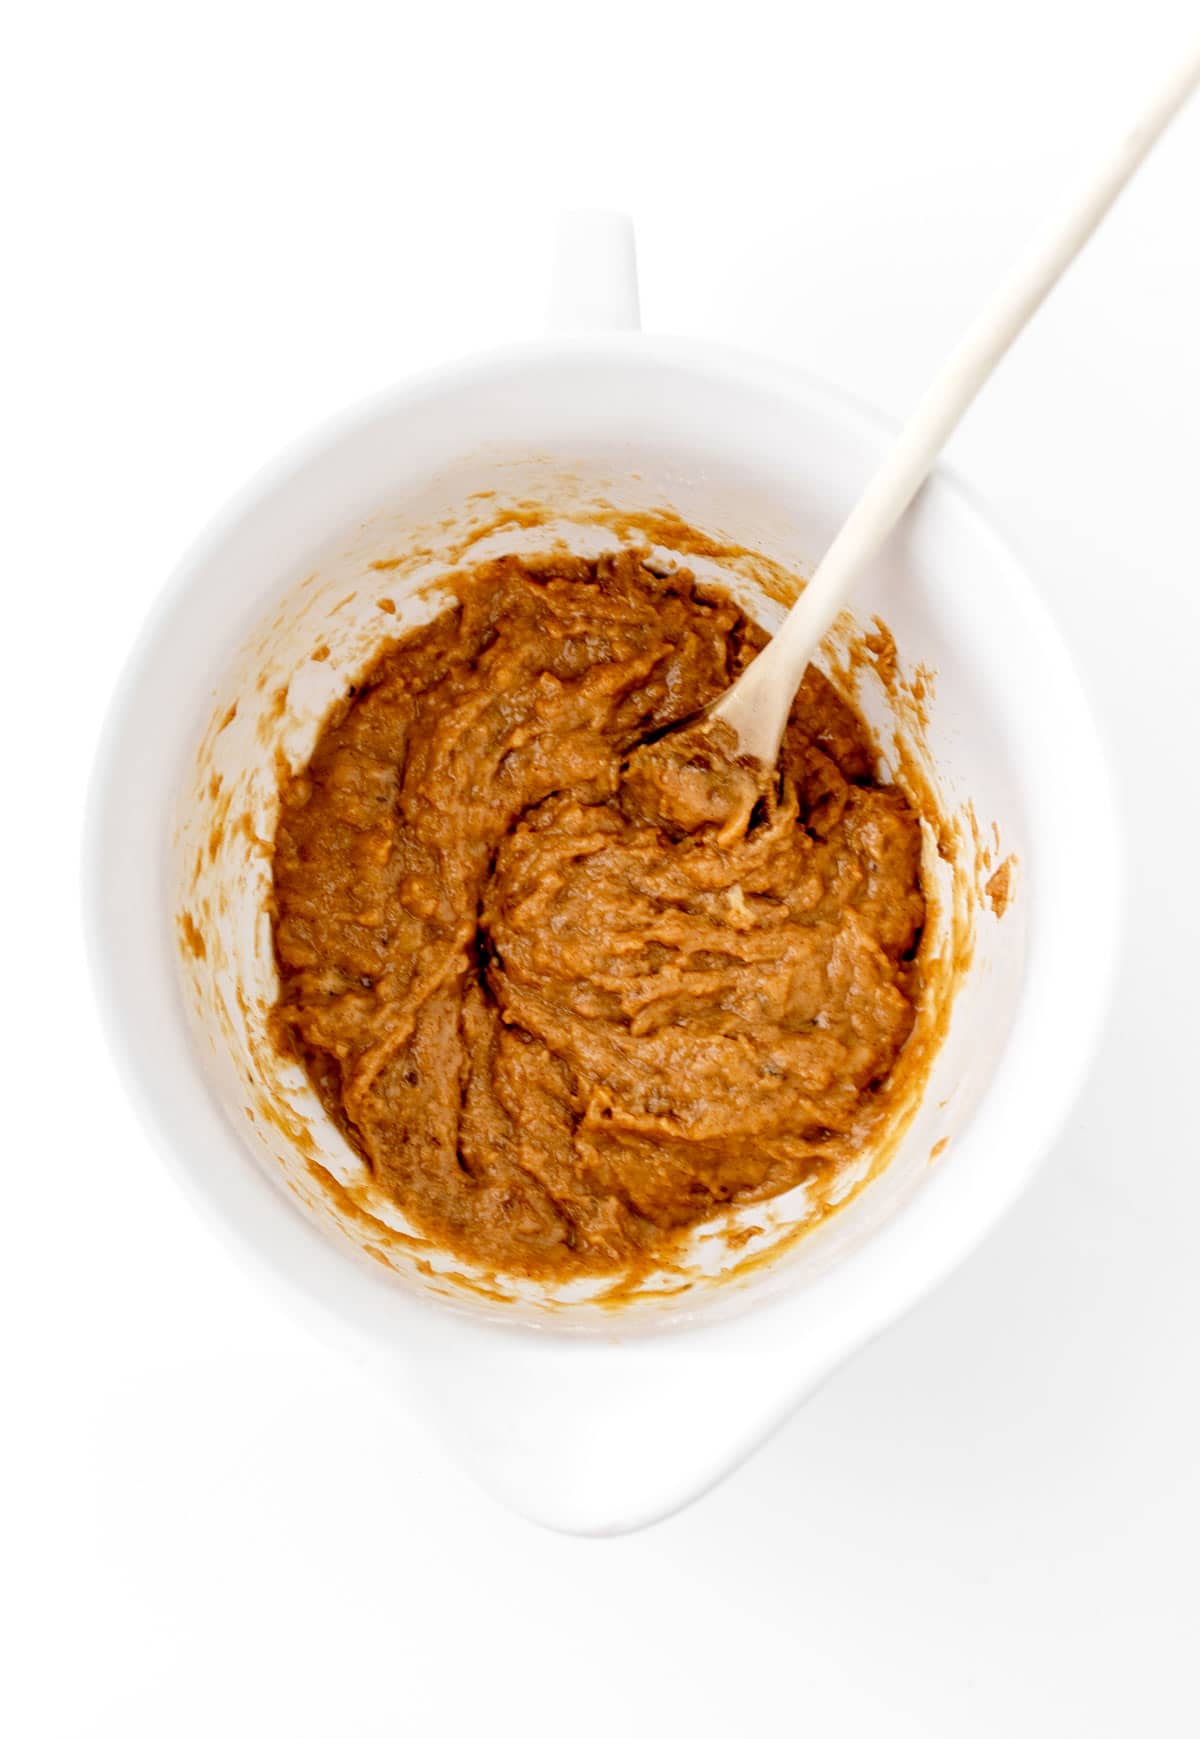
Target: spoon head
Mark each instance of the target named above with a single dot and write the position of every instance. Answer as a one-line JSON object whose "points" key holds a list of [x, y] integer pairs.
{"points": [[691, 775]]}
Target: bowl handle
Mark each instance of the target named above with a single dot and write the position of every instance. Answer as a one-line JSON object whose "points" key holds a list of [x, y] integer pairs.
{"points": [[601, 1436], [594, 283]]}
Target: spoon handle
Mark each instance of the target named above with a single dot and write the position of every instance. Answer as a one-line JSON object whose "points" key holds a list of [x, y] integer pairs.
{"points": [[757, 704]]}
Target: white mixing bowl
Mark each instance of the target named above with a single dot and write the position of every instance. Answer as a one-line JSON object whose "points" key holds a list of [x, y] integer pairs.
{"points": [[585, 1418]]}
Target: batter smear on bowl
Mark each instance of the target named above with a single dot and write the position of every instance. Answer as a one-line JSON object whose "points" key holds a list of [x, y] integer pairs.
{"points": [[560, 1026]]}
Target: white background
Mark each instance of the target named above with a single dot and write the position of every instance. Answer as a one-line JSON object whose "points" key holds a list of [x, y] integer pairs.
{"points": [[225, 221]]}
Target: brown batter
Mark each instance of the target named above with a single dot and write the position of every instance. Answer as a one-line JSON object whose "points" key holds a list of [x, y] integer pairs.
{"points": [[562, 1014]]}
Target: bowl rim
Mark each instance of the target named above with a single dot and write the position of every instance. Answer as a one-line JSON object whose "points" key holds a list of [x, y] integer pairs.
{"points": [[926, 1239]]}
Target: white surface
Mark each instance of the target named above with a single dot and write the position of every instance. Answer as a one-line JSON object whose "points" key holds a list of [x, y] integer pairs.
{"points": [[230, 223]]}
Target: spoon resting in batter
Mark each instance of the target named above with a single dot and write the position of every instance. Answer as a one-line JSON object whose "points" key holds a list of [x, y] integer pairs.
{"points": [[704, 770]]}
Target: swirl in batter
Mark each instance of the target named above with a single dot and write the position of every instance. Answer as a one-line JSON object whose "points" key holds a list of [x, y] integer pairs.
{"points": [[564, 1011]]}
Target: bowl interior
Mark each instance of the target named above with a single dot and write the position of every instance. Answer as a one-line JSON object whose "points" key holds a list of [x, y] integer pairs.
{"points": [[347, 546]]}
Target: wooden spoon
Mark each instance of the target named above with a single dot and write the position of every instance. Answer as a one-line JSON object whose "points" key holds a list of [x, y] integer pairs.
{"points": [[756, 706]]}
